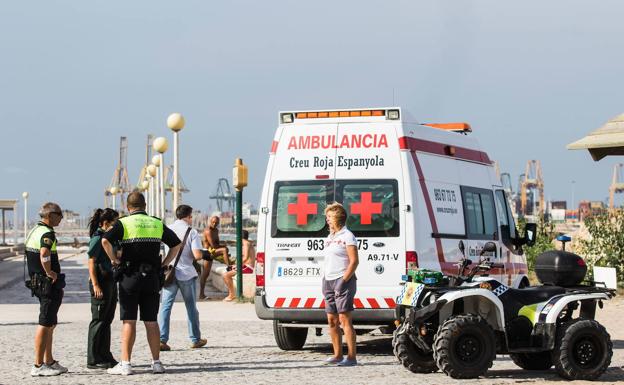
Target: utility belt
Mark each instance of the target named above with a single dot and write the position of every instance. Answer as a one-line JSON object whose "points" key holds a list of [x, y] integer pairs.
{"points": [[143, 268], [41, 285]]}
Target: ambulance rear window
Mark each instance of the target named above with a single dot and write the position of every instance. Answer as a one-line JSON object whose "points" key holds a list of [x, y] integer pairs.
{"points": [[299, 208], [372, 207]]}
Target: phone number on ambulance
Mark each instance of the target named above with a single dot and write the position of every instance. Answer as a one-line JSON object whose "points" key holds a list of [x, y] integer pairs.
{"points": [[298, 271]]}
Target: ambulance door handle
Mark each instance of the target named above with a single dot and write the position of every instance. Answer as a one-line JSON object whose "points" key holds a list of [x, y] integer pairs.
{"points": [[311, 259], [289, 259], [408, 208]]}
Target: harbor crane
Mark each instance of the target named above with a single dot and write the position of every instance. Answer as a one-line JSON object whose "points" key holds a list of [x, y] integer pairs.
{"points": [[533, 183], [148, 159], [617, 184], [224, 197], [119, 184]]}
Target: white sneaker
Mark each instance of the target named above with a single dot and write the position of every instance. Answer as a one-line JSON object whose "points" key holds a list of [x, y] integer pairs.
{"points": [[59, 367], [157, 367], [120, 369], [44, 371]]}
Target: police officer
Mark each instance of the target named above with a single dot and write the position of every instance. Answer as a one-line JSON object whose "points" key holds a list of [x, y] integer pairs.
{"points": [[46, 283], [139, 269]]}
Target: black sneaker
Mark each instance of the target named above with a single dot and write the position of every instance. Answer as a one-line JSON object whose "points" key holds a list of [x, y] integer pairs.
{"points": [[101, 365]]}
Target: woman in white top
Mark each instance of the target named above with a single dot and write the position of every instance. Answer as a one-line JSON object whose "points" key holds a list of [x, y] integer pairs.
{"points": [[339, 283]]}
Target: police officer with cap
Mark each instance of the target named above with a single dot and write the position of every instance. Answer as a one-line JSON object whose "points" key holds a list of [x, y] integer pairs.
{"points": [[140, 236], [46, 283]]}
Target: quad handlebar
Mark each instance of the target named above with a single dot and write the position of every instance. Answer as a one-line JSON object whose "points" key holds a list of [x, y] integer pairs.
{"points": [[483, 265]]}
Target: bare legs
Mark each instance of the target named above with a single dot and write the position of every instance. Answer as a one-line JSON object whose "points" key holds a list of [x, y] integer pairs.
{"points": [[43, 345], [128, 335], [228, 279], [207, 265], [335, 334], [153, 338], [335, 322], [349, 332]]}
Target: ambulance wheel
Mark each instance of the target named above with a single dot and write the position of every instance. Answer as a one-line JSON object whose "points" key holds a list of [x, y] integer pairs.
{"points": [[289, 338], [532, 361], [583, 350], [465, 346], [410, 355]]}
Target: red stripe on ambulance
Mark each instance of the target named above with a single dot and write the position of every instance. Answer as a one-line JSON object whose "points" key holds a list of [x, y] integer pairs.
{"points": [[373, 303]]}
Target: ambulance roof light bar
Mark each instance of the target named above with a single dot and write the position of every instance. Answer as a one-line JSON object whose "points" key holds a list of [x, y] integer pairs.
{"points": [[289, 117], [461, 127]]}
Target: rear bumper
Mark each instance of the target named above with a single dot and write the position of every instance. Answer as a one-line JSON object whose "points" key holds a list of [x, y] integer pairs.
{"points": [[318, 315]]}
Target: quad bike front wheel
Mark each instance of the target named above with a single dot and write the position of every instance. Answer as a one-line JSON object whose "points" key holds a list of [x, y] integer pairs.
{"points": [[465, 346], [533, 361], [410, 355], [583, 350]]}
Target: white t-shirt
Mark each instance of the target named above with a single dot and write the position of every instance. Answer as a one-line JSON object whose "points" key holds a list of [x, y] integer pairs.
{"points": [[336, 258], [185, 269]]}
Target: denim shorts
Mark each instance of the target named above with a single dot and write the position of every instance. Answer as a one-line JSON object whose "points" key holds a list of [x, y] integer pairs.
{"points": [[339, 295]]}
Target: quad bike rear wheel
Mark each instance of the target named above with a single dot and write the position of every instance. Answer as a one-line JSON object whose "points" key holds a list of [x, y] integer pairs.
{"points": [[410, 355], [465, 346], [583, 350]]}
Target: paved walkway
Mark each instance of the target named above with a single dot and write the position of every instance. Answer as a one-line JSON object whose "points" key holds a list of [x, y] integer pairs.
{"points": [[240, 350]]}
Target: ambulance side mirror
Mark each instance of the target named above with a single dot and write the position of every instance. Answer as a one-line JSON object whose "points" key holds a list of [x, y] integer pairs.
{"points": [[462, 248], [530, 234]]}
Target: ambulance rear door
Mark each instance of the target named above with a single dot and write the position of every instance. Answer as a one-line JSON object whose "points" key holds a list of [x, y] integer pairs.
{"points": [[369, 183], [301, 186]]}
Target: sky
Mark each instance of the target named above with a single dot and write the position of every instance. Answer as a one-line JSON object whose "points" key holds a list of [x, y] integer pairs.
{"points": [[529, 76]]}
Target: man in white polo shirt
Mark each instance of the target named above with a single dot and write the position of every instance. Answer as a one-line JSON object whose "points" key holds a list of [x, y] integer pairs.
{"points": [[186, 281]]}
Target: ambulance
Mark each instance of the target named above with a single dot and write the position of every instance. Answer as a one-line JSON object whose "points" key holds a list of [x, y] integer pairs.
{"points": [[411, 191]]}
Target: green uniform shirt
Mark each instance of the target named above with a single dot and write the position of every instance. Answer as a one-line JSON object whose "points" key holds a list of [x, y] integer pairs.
{"points": [[140, 236], [97, 251], [41, 236]]}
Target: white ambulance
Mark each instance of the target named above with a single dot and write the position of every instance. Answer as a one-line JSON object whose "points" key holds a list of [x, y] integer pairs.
{"points": [[411, 191]]}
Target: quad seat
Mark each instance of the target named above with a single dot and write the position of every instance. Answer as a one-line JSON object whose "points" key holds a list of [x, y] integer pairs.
{"points": [[535, 294]]}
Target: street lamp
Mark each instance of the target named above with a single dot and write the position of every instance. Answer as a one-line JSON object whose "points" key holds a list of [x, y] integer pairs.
{"points": [[144, 186], [175, 122], [25, 196], [160, 145], [114, 190], [152, 171]]}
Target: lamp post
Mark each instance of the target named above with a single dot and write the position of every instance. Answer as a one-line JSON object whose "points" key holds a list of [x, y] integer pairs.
{"points": [[160, 145], [152, 171], [175, 122], [239, 180], [25, 196]]}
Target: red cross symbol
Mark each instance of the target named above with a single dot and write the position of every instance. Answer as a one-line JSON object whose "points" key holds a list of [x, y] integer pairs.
{"points": [[366, 208], [302, 209]]}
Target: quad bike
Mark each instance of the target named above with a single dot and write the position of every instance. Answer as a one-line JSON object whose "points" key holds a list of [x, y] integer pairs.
{"points": [[457, 324]]}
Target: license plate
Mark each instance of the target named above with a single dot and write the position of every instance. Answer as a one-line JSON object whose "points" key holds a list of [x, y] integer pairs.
{"points": [[298, 271]]}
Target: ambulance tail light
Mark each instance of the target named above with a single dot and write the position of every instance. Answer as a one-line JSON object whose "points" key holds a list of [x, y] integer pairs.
{"points": [[259, 269], [411, 261]]}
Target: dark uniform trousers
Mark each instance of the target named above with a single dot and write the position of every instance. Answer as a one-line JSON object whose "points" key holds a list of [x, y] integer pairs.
{"points": [[102, 312]]}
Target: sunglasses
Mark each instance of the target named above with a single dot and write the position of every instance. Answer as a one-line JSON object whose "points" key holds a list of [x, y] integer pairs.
{"points": [[60, 214]]}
